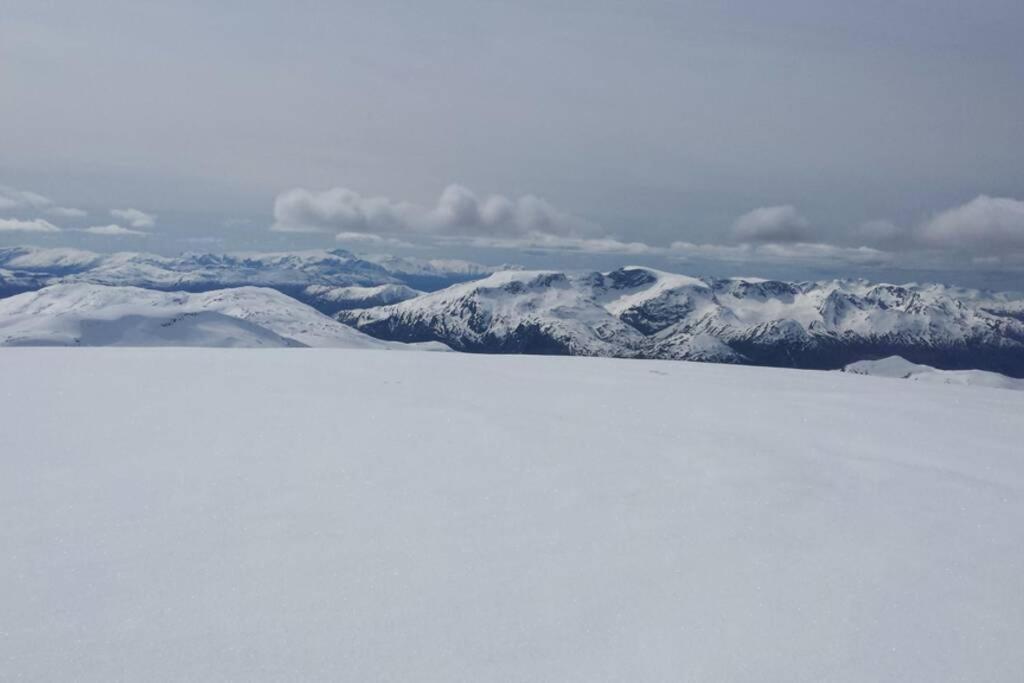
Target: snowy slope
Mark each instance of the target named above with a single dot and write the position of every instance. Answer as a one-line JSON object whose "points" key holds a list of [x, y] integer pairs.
{"points": [[95, 315], [190, 514], [900, 368], [640, 312], [508, 312]]}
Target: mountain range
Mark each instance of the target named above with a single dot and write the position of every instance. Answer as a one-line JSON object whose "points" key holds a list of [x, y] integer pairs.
{"points": [[631, 312], [639, 312], [309, 276]]}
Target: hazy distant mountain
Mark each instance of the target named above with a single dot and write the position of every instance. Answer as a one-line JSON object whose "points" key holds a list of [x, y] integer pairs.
{"points": [[28, 268], [639, 312]]}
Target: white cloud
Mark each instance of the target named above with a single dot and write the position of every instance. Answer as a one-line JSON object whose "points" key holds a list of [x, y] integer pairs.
{"points": [[772, 224], [13, 198], [338, 209], [33, 225], [983, 225], [369, 239], [777, 235], [134, 217], [458, 211], [543, 242], [66, 212], [113, 230], [796, 252]]}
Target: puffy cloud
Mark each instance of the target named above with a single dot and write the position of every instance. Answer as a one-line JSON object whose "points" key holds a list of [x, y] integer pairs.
{"points": [[772, 224], [34, 225], [458, 211], [113, 230], [339, 209], [134, 217], [983, 225]]}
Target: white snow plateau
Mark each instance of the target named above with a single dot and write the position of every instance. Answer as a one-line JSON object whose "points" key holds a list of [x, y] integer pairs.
{"points": [[186, 514]]}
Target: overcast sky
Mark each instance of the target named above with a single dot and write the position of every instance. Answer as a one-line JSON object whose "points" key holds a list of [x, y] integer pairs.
{"points": [[787, 136]]}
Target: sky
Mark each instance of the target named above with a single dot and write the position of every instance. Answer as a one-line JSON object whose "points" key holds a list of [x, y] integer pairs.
{"points": [[787, 138]]}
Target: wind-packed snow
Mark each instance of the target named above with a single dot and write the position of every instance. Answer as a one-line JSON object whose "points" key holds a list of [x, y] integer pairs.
{"points": [[900, 368], [96, 315], [210, 514]]}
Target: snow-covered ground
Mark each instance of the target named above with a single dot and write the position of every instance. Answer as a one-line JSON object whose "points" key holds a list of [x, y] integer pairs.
{"points": [[214, 514], [901, 368]]}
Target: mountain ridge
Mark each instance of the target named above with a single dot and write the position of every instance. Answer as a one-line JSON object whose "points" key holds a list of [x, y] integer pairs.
{"points": [[645, 313]]}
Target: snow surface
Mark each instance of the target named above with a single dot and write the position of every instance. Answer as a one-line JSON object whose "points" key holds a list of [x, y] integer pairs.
{"points": [[209, 514], [901, 368]]}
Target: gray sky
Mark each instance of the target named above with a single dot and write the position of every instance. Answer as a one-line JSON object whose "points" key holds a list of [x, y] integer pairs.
{"points": [[735, 131]]}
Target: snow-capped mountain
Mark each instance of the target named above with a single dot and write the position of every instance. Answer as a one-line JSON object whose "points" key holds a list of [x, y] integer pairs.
{"points": [[98, 315], [28, 268], [640, 312], [900, 368], [333, 299]]}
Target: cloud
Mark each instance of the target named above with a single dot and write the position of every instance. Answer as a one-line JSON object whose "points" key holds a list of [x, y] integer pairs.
{"points": [[458, 211], [776, 235], [113, 230], [984, 225], [66, 212], [369, 239], [33, 225], [338, 209], [881, 233], [13, 199], [796, 252], [553, 243], [134, 217], [772, 224]]}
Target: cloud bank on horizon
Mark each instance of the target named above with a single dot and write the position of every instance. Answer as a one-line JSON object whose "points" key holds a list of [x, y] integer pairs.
{"points": [[984, 231]]}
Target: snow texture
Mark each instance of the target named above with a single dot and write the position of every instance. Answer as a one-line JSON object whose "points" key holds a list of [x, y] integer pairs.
{"points": [[212, 514]]}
